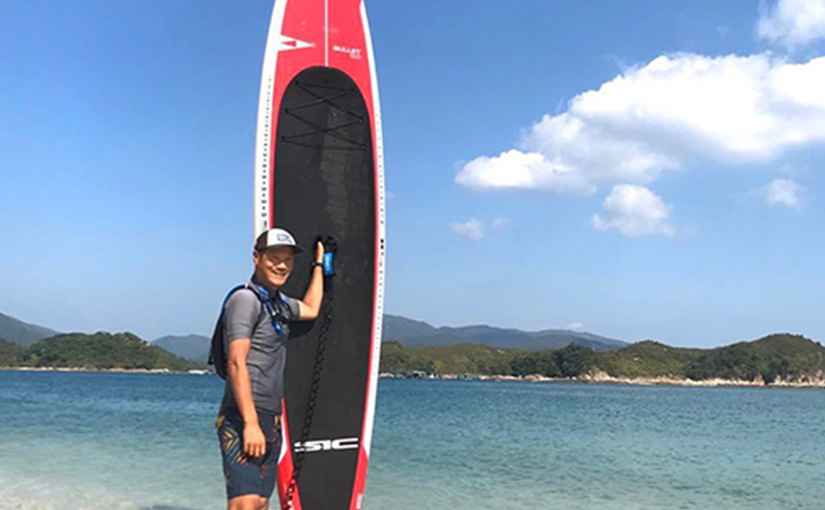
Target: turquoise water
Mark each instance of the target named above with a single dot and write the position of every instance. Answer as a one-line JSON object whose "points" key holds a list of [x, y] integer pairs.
{"points": [[123, 441]]}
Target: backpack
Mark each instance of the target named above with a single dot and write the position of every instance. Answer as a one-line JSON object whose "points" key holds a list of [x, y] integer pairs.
{"points": [[217, 349]]}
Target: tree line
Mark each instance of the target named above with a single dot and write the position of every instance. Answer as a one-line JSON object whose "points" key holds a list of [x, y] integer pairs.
{"points": [[98, 351], [782, 356]]}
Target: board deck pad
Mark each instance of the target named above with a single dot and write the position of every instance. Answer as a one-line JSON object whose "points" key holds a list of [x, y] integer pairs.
{"points": [[323, 184], [319, 172]]}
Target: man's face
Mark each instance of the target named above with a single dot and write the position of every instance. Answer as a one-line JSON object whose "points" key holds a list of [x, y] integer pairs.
{"points": [[273, 266]]}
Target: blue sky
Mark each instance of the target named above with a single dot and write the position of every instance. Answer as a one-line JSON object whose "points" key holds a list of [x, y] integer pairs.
{"points": [[647, 169]]}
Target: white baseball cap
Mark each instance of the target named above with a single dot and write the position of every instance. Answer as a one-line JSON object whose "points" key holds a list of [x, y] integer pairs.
{"points": [[276, 237]]}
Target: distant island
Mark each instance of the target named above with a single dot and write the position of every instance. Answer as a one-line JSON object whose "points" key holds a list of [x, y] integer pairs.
{"points": [[415, 334], [781, 359], [97, 351], [416, 349], [411, 333]]}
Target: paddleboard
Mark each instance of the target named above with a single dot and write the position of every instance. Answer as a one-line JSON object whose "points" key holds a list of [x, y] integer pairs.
{"points": [[319, 172]]}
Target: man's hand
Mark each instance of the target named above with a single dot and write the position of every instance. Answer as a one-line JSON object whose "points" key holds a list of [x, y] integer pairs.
{"points": [[319, 252], [310, 306], [254, 443]]}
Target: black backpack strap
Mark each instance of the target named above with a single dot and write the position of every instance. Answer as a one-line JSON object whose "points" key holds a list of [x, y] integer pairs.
{"points": [[276, 315], [217, 349]]}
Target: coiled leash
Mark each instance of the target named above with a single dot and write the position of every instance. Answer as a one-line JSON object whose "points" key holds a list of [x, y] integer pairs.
{"points": [[330, 249]]}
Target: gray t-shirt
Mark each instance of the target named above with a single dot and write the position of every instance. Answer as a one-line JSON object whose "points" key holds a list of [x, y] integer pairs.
{"points": [[246, 317]]}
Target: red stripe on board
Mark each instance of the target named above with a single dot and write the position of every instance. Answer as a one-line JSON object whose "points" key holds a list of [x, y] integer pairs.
{"points": [[360, 480], [285, 466]]}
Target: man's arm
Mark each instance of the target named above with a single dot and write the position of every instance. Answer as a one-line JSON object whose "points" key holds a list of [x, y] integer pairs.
{"points": [[254, 443], [240, 317], [310, 306]]}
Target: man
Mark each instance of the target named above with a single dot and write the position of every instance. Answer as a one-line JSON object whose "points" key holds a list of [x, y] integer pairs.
{"points": [[255, 329]]}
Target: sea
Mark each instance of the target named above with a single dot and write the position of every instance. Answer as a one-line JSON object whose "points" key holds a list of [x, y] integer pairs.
{"points": [[78, 441]]}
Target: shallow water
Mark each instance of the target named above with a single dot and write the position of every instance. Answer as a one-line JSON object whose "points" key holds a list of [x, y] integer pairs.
{"points": [[125, 441]]}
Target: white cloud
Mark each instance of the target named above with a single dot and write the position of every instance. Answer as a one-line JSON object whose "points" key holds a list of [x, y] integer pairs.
{"points": [[793, 22], [519, 170], [653, 118], [783, 193], [575, 325], [471, 229], [633, 211]]}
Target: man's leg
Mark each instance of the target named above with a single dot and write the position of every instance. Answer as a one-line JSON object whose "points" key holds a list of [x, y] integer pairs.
{"points": [[246, 477]]}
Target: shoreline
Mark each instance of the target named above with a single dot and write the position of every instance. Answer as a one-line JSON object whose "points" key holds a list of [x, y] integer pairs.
{"points": [[599, 377]]}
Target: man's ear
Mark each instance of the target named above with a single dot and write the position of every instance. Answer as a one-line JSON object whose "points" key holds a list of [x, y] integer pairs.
{"points": [[256, 256]]}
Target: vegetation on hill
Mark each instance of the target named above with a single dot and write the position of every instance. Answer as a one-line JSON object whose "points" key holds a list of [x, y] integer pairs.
{"points": [[789, 357], [648, 359], [782, 356], [452, 359], [10, 354], [775, 356], [571, 361], [96, 351]]}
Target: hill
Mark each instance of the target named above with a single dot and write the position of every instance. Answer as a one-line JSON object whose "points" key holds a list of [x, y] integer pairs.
{"points": [[410, 333], [785, 357], [400, 328], [781, 356], [453, 359], [103, 351], [191, 347], [649, 359], [21, 333], [10, 354], [416, 334]]}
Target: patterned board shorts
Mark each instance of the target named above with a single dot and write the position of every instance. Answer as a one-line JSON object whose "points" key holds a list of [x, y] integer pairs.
{"points": [[248, 475]]}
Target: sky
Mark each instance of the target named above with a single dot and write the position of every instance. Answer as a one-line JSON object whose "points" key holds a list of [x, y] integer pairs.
{"points": [[640, 170]]}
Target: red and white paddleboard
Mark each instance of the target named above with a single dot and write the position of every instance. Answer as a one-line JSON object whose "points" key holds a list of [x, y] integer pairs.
{"points": [[319, 172]]}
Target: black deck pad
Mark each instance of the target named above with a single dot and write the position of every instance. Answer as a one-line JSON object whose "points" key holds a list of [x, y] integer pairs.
{"points": [[324, 185]]}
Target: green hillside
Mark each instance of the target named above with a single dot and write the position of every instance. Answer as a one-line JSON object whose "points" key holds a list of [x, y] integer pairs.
{"points": [[103, 351], [10, 354], [648, 359], [571, 361], [771, 357], [785, 356], [452, 359], [483, 360]]}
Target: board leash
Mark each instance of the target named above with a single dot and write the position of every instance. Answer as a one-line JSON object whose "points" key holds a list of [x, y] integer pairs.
{"points": [[317, 371]]}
